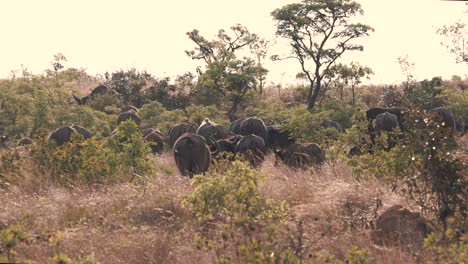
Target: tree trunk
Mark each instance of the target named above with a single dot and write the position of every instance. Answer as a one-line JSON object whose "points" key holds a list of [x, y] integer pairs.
{"points": [[313, 95], [261, 88], [341, 93], [354, 99], [232, 112]]}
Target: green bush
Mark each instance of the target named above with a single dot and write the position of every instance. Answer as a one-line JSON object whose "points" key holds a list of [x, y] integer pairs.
{"points": [[107, 103], [451, 248], [9, 239], [155, 115], [94, 160], [198, 113], [423, 166], [250, 223]]}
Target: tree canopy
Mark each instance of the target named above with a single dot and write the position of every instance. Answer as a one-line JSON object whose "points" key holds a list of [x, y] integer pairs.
{"points": [[230, 76], [319, 32]]}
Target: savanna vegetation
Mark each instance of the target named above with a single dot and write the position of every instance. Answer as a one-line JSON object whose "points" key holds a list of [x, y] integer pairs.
{"points": [[108, 199]]}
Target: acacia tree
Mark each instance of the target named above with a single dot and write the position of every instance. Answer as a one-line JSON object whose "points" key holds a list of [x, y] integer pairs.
{"points": [[457, 33], [319, 32], [231, 77], [350, 76]]}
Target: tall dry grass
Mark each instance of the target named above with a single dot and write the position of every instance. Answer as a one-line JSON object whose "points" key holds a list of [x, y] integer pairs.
{"points": [[143, 221]]}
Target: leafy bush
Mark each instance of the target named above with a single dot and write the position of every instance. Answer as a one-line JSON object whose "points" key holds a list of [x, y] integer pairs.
{"points": [[426, 94], [198, 113], [392, 96], [155, 115], [108, 103], [94, 160], [450, 248], [229, 194], [169, 95], [424, 167], [9, 239]]}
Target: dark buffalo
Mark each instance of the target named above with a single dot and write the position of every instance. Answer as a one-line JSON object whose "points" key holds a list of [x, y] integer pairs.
{"points": [[82, 131], [150, 130], [156, 142], [372, 113], [314, 152], [128, 108], [129, 115], [210, 130], [279, 138], [332, 124], [386, 122], [444, 117], [228, 144], [235, 126], [461, 126], [295, 160], [178, 130], [255, 126], [354, 151], [100, 90], [192, 154], [61, 135], [252, 148], [25, 141]]}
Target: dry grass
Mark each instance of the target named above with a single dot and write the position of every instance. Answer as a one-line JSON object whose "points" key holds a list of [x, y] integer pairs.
{"points": [[143, 221]]}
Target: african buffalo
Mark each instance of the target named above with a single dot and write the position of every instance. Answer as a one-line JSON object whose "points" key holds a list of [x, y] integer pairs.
{"points": [[228, 144], [295, 160], [156, 142], [210, 130], [24, 141], [372, 113], [279, 138], [100, 90], [235, 126], [386, 122], [192, 155], [314, 152], [461, 126], [252, 148], [129, 115], [81, 130], [175, 131], [63, 134], [147, 131], [255, 126], [444, 117], [128, 108]]}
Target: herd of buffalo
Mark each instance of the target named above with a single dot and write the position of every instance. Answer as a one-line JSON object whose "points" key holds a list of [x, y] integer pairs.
{"points": [[194, 146]]}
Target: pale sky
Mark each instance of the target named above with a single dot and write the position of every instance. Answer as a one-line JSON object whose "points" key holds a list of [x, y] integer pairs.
{"points": [[109, 35]]}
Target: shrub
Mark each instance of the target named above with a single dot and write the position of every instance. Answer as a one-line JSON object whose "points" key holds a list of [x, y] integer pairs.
{"points": [[9, 239], [426, 94], [155, 115], [229, 194], [450, 248], [94, 160], [424, 167]]}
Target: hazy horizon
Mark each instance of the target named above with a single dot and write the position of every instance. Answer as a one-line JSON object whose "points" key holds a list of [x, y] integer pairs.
{"points": [[146, 35]]}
